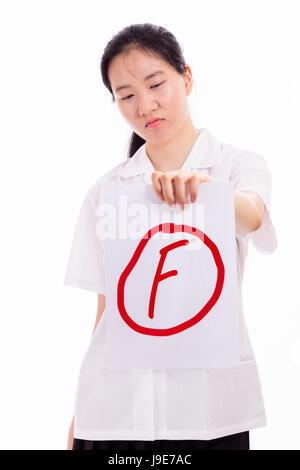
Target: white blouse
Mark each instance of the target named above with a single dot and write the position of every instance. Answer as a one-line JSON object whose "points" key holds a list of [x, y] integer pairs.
{"points": [[148, 404]]}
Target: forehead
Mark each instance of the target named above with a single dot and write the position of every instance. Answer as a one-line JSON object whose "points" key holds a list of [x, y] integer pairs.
{"points": [[136, 65]]}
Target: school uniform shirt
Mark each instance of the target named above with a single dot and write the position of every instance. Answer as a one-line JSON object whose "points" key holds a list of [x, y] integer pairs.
{"points": [[149, 404]]}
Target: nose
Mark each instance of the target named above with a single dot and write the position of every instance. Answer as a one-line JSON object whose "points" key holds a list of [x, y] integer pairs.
{"points": [[145, 105]]}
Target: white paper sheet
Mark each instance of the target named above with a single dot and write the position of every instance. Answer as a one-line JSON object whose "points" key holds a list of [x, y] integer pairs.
{"points": [[187, 318]]}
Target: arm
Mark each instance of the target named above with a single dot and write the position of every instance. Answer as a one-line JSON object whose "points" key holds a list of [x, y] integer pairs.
{"points": [[249, 211], [70, 435], [100, 310]]}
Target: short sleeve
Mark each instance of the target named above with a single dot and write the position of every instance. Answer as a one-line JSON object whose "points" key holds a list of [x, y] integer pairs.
{"points": [[251, 173], [85, 265]]}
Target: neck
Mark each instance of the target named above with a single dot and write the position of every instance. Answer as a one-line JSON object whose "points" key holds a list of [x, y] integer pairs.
{"points": [[171, 155]]}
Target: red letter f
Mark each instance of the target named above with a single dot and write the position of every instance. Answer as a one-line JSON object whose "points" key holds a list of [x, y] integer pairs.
{"points": [[160, 277]]}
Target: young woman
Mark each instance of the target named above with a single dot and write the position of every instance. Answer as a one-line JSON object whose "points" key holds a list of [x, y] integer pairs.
{"points": [[184, 409]]}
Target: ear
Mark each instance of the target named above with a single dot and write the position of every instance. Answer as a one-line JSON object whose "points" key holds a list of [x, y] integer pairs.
{"points": [[188, 79]]}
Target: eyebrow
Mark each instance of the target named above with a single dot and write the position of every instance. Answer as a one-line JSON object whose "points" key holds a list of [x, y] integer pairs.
{"points": [[146, 78]]}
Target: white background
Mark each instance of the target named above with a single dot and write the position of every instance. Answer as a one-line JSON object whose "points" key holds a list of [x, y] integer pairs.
{"points": [[60, 131]]}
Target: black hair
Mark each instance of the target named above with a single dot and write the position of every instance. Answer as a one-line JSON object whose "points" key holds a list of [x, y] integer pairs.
{"points": [[149, 38]]}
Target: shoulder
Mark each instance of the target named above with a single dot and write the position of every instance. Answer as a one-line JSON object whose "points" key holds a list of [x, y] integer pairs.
{"points": [[239, 165], [112, 176], [241, 159]]}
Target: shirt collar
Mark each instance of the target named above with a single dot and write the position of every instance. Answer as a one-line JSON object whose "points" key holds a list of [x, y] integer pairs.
{"points": [[205, 153]]}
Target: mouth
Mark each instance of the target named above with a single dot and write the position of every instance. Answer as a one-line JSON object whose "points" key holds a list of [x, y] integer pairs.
{"points": [[154, 123]]}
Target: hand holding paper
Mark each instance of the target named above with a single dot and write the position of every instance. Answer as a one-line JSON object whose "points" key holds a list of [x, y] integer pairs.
{"points": [[171, 186]]}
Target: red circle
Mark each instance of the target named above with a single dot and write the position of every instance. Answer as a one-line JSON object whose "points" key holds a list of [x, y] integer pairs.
{"points": [[170, 227]]}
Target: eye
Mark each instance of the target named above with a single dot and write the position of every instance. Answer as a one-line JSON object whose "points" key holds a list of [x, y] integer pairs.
{"points": [[126, 97], [157, 85], [153, 86]]}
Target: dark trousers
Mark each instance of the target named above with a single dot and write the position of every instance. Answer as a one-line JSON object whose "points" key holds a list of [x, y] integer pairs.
{"points": [[238, 441]]}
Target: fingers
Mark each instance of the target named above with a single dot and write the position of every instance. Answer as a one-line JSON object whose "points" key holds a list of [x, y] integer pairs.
{"points": [[170, 186], [167, 188], [162, 183], [195, 181], [179, 182], [156, 183], [194, 185]]}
